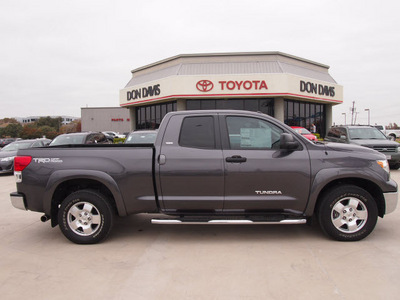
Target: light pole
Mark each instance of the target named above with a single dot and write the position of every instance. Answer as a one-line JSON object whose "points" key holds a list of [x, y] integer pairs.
{"points": [[344, 118], [367, 109]]}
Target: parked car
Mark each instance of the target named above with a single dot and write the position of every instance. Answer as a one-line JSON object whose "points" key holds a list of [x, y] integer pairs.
{"points": [[79, 138], [8, 153], [304, 132], [367, 136], [115, 134], [109, 137], [6, 141], [141, 137]]}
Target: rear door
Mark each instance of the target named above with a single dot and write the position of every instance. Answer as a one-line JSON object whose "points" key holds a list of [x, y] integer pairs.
{"points": [[191, 166], [258, 175]]}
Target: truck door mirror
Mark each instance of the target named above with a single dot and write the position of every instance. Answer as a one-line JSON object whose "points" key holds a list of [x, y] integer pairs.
{"points": [[288, 142]]}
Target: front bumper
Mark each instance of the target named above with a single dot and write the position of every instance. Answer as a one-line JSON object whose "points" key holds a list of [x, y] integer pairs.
{"points": [[392, 158], [391, 201], [18, 201]]}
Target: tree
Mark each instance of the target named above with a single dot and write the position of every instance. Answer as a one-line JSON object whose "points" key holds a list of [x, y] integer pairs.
{"points": [[48, 132], [13, 130], [74, 126], [48, 121], [8, 121], [30, 131]]}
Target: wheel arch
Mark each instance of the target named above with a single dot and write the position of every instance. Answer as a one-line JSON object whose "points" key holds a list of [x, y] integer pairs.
{"points": [[63, 183], [373, 189]]}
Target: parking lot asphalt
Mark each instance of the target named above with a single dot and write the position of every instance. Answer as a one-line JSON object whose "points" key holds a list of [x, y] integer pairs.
{"points": [[144, 261]]}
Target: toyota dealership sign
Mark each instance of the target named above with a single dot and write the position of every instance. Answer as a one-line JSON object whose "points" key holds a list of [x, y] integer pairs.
{"points": [[230, 86]]}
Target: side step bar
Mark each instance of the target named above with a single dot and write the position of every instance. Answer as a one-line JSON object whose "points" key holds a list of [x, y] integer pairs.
{"points": [[226, 222]]}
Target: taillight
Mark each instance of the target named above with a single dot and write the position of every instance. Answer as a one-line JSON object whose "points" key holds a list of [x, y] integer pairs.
{"points": [[21, 162]]}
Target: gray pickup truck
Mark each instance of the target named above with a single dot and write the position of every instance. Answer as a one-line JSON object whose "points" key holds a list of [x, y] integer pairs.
{"points": [[208, 167]]}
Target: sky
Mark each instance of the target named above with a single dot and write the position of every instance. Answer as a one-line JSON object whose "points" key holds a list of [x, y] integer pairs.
{"points": [[59, 56]]}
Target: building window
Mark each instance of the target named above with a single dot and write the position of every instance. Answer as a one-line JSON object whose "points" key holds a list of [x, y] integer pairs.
{"points": [[263, 105], [305, 114], [150, 116]]}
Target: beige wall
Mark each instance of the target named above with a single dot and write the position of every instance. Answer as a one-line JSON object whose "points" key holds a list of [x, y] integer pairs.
{"points": [[106, 119]]}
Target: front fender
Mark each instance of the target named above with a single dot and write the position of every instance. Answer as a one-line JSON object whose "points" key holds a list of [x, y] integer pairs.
{"points": [[61, 176], [326, 177]]}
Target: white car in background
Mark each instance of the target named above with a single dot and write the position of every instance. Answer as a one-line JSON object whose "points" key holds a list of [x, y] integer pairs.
{"points": [[115, 134]]}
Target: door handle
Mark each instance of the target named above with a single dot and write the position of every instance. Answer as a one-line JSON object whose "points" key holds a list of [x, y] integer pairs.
{"points": [[236, 159], [162, 159]]}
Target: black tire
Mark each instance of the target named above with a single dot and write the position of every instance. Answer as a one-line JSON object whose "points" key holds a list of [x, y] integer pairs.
{"points": [[85, 217], [347, 213]]}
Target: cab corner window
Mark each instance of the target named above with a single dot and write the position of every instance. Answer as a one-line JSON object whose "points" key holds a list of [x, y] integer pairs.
{"points": [[251, 133], [198, 132]]}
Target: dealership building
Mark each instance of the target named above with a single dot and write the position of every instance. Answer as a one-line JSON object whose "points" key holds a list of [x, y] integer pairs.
{"points": [[294, 90]]}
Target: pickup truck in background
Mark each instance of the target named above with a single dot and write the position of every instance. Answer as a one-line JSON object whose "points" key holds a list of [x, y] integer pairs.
{"points": [[366, 136], [208, 167], [393, 134]]}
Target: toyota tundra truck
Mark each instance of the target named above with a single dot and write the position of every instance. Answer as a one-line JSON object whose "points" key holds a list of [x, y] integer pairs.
{"points": [[208, 167]]}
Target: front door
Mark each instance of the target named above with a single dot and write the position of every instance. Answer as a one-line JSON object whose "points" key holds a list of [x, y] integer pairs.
{"points": [[258, 175]]}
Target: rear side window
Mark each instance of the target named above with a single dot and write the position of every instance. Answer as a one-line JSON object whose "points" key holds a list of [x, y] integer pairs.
{"points": [[198, 132]]}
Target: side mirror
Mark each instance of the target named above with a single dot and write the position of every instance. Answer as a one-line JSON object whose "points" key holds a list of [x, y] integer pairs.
{"points": [[288, 142], [343, 137]]}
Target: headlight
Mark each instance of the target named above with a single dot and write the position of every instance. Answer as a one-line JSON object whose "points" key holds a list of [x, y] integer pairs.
{"points": [[384, 164], [8, 158]]}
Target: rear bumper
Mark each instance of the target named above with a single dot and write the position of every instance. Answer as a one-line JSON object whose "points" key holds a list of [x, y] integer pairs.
{"points": [[390, 201], [18, 201]]}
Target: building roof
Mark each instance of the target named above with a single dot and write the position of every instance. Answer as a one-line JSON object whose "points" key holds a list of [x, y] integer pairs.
{"points": [[230, 63]]}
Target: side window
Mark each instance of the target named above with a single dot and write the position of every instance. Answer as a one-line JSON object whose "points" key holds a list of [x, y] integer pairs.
{"points": [[91, 139], [343, 132], [331, 133], [334, 133], [252, 133], [101, 138], [37, 144], [198, 132]]}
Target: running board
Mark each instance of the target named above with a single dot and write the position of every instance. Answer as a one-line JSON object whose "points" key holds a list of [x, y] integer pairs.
{"points": [[226, 222]]}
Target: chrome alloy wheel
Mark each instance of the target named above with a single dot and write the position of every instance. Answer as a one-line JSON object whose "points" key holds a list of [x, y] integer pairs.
{"points": [[84, 218], [349, 215]]}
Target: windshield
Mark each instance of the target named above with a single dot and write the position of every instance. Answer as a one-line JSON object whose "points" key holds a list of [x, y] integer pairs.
{"points": [[68, 140], [367, 133], [302, 131], [16, 146], [141, 138]]}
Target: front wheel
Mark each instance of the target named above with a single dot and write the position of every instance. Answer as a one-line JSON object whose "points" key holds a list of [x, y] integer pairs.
{"points": [[347, 213], [85, 217]]}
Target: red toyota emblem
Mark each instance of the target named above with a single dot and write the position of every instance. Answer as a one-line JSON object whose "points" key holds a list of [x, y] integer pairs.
{"points": [[204, 85]]}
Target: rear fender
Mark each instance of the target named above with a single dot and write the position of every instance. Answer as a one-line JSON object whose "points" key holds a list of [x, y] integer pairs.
{"points": [[61, 176]]}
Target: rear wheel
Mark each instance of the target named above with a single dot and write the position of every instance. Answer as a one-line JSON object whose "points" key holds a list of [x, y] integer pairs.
{"points": [[85, 217], [347, 213]]}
